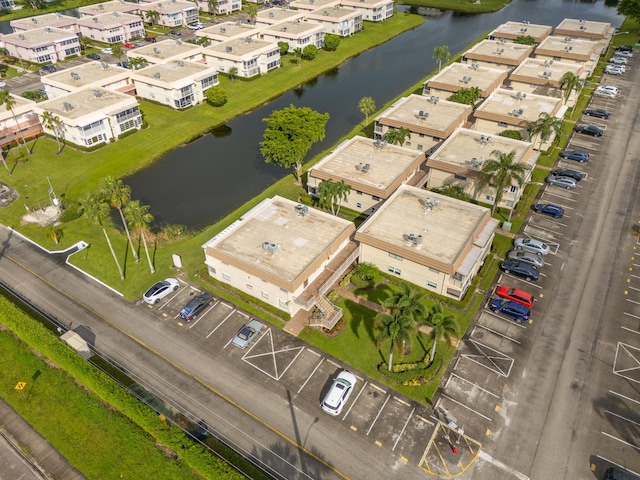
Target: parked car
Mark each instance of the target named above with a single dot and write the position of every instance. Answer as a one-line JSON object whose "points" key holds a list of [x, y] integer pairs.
{"points": [[576, 155], [49, 68], [175, 33], [532, 245], [608, 88], [107, 51], [122, 64], [196, 26], [525, 270], [247, 333], [128, 45], [138, 43], [191, 310], [551, 209], [624, 53], [614, 69], [3, 84], [564, 182], [93, 56], [160, 289], [515, 295], [339, 393], [615, 473], [150, 39], [597, 112], [526, 257], [568, 172], [591, 130], [513, 309], [624, 48], [618, 61]]}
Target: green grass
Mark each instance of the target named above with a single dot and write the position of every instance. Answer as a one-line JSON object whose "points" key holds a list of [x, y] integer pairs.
{"points": [[464, 6]]}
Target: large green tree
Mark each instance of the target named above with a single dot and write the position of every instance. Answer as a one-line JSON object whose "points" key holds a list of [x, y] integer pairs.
{"points": [[332, 194], [396, 327], [441, 53], [53, 123], [443, 326], [409, 302], [397, 136], [467, 96], [118, 195], [501, 172], [630, 8], [367, 106], [139, 219], [545, 126], [290, 134], [97, 211]]}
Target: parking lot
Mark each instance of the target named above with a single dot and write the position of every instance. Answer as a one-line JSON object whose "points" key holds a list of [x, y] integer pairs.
{"points": [[287, 366]]}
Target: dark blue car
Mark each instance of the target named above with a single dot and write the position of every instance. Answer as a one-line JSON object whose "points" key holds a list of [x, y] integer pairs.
{"points": [[575, 155], [520, 269], [555, 211], [513, 309]]}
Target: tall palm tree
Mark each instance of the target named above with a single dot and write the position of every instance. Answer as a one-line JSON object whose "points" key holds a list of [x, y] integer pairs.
{"points": [[443, 325], [97, 211], [397, 136], [366, 105], [396, 327], [409, 302], [568, 83], [332, 194], [152, 16], [139, 219], [545, 126], [501, 173], [137, 62], [52, 122], [441, 53], [252, 11], [9, 102], [118, 195], [117, 51], [213, 7]]}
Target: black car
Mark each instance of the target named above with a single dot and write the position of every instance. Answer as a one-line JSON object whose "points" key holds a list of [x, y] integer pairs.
{"points": [[93, 56], [520, 269], [624, 48], [568, 172], [175, 33], [150, 39], [575, 155], [597, 112], [555, 211], [49, 68], [123, 64], [191, 310], [591, 130]]}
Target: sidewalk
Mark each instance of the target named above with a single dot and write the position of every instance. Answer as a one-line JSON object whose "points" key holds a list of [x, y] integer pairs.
{"points": [[29, 452]]}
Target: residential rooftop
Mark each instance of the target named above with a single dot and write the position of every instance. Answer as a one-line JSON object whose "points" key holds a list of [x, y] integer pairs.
{"points": [[525, 107], [275, 238], [277, 15], [174, 71], [514, 30], [39, 36], [227, 30], [166, 49], [495, 51], [583, 28], [290, 28], [47, 20], [566, 47], [545, 72], [109, 20], [79, 104], [335, 12], [311, 5], [87, 74], [164, 7], [108, 7], [238, 47], [464, 75]]}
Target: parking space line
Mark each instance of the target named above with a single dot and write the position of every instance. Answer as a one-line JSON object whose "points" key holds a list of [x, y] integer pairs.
{"points": [[399, 400], [474, 384], [467, 407], [621, 417], [333, 363], [620, 440], [218, 326], [311, 375], [404, 427], [379, 388], [313, 352], [378, 415], [355, 400], [200, 316], [616, 464], [518, 278], [630, 330], [174, 296], [518, 324], [632, 301], [548, 230], [631, 315], [624, 396], [634, 288], [495, 332]]}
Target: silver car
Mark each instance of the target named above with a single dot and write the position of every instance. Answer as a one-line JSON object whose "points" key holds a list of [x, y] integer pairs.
{"points": [[526, 257], [531, 245], [247, 333], [564, 182]]}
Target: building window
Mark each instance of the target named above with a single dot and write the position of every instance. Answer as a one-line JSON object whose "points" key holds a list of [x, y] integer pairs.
{"points": [[283, 304], [459, 176], [513, 189], [503, 124], [436, 139], [283, 290], [358, 193], [394, 270], [408, 144], [226, 276], [373, 197], [249, 286], [490, 198], [433, 285], [419, 147], [394, 256], [433, 270], [358, 205], [421, 135], [265, 295]]}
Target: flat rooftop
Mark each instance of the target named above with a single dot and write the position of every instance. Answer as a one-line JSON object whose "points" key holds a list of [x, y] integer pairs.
{"points": [[174, 71], [525, 107], [447, 230], [539, 71], [109, 20], [386, 164], [229, 30], [513, 30], [335, 12], [311, 5], [78, 104], [277, 14], [168, 6], [463, 75], [567, 47], [300, 239], [239, 47], [108, 7], [495, 51], [87, 74], [46, 20], [39, 36], [18, 103], [291, 28], [166, 49], [465, 144], [583, 28], [429, 113]]}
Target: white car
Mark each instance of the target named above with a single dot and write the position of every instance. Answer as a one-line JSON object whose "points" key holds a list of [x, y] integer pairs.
{"points": [[614, 70], [618, 60], [196, 26], [339, 393], [3, 84], [624, 54], [159, 290], [107, 51], [606, 91]]}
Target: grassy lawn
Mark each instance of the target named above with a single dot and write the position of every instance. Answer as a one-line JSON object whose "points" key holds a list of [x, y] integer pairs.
{"points": [[465, 6]]}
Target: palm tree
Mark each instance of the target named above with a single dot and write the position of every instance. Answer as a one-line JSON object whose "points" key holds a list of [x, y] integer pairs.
{"points": [[52, 122], [139, 218], [204, 42], [118, 195], [366, 106], [233, 73], [443, 325], [117, 51], [4, 160], [213, 6], [137, 62], [9, 102], [568, 83], [298, 53], [252, 11], [501, 173], [333, 193], [152, 16], [441, 53], [544, 127], [98, 212], [396, 327], [409, 302], [397, 136]]}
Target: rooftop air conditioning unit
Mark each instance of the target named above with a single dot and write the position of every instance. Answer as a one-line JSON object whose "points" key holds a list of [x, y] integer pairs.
{"points": [[229, 48]]}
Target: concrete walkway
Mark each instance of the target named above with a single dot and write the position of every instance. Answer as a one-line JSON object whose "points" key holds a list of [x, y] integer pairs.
{"points": [[26, 455]]}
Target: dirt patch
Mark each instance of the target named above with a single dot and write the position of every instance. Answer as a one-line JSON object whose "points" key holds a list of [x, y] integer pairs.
{"points": [[7, 195], [42, 216]]}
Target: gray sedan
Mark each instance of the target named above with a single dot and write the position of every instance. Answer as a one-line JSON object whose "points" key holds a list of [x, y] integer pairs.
{"points": [[564, 182], [526, 257]]}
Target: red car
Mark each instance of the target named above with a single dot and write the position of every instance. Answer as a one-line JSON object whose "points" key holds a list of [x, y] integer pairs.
{"points": [[515, 295], [128, 45]]}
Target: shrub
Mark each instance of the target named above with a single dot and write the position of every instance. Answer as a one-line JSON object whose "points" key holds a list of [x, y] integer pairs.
{"points": [[331, 42], [216, 96], [309, 52]]}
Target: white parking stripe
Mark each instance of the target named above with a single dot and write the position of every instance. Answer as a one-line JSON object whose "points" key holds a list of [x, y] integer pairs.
{"points": [[218, 326], [616, 464], [620, 440], [355, 400], [200, 316], [499, 334], [631, 315], [630, 330], [404, 427], [624, 396], [465, 406], [474, 384], [378, 415], [621, 417], [311, 375]]}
